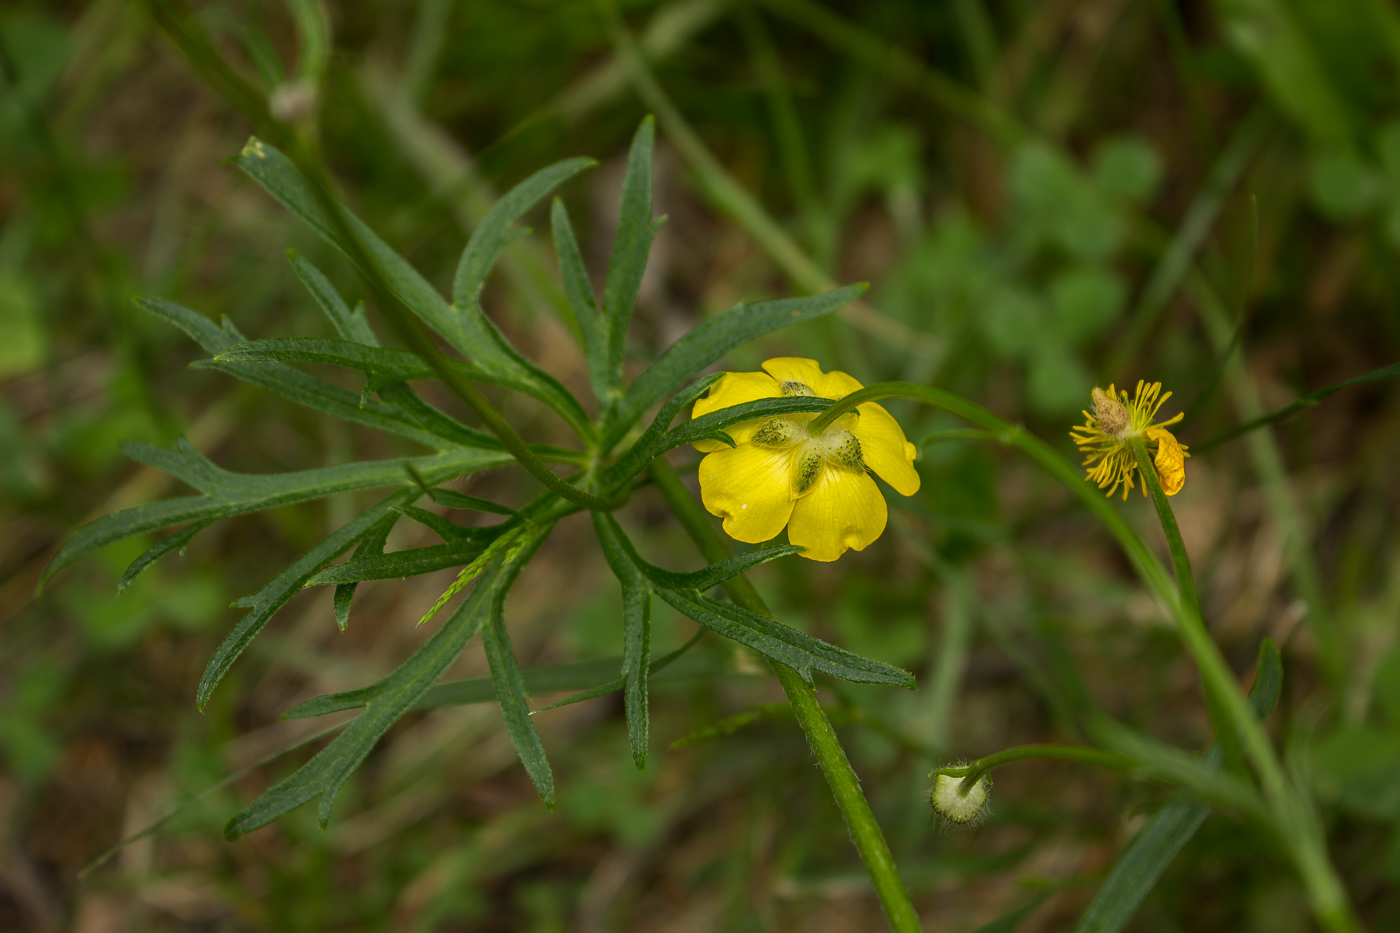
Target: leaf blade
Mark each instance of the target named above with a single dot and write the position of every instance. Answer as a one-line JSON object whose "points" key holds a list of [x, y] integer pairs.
{"points": [[493, 234], [631, 246], [579, 294], [1142, 864], [512, 695]]}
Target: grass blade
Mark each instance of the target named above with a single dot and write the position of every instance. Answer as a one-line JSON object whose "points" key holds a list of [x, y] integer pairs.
{"points": [[1307, 401]]}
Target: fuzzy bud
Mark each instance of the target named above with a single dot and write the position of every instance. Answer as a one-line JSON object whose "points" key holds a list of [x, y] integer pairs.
{"points": [[953, 805]]}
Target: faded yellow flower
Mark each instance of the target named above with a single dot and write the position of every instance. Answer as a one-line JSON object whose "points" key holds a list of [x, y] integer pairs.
{"points": [[1104, 438], [780, 474]]}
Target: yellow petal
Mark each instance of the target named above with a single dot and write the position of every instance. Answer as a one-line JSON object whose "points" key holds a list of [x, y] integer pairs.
{"points": [[748, 487], [885, 450], [734, 389], [837, 385], [794, 369], [844, 510], [1170, 461], [809, 373]]}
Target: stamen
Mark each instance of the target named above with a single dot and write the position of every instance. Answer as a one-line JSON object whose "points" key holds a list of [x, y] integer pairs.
{"points": [[777, 433], [845, 450], [806, 470], [796, 387]]}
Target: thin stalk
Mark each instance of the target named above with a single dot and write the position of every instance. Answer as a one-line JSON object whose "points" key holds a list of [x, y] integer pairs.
{"points": [[972, 773], [1329, 899], [821, 737]]}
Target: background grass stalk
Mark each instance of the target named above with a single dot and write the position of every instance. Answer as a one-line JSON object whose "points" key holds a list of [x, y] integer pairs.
{"points": [[821, 737], [1325, 892]]}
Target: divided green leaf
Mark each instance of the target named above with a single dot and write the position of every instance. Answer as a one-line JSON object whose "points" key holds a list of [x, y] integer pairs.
{"points": [[394, 417], [384, 703], [512, 695], [351, 325], [372, 543], [580, 295], [465, 327]]}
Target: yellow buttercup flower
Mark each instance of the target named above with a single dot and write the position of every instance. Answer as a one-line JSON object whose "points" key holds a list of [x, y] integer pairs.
{"points": [[779, 473], [1104, 437]]}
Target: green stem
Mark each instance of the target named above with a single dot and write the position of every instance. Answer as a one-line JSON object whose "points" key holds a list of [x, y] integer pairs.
{"points": [[836, 767], [972, 773], [1292, 815]]}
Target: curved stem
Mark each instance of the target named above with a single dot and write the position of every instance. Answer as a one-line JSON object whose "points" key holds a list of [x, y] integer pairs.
{"points": [[972, 773], [1290, 812], [821, 737]]}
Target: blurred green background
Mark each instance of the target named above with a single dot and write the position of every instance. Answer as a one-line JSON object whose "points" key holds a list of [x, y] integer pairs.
{"points": [[1044, 196]]}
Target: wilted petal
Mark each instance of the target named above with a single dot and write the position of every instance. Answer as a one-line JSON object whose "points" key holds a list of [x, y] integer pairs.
{"points": [[1170, 460]]}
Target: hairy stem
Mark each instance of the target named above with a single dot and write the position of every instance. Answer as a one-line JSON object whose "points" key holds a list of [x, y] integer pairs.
{"points": [[972, 773], [821, 737]]}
